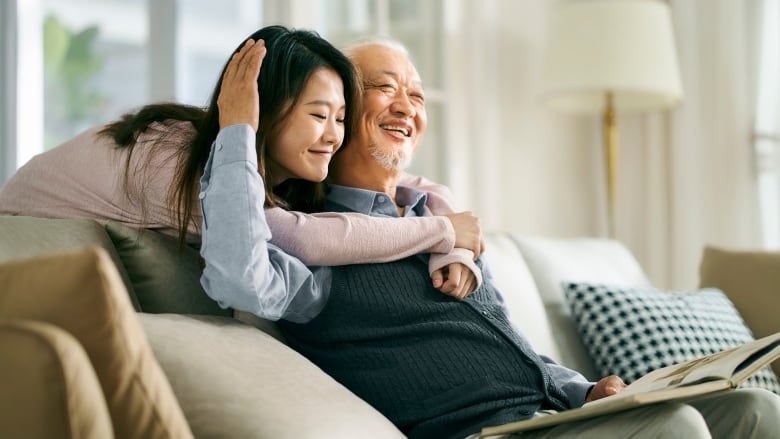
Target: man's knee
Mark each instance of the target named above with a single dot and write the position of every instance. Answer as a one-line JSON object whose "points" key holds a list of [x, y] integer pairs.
{"points": [[760, 408], [681, 421]]}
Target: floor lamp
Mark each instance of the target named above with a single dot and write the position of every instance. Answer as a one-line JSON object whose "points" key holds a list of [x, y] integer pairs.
{"points": [[608, 56]]}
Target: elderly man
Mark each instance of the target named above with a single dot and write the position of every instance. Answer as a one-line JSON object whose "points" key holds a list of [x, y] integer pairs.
{"points": [[438, 366]]}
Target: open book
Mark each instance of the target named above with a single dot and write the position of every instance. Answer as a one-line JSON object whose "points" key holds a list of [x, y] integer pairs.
{"points": [[720, 371]]}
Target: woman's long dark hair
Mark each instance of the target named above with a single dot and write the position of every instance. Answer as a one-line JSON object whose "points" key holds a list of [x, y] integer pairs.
{"points": [[292, 56]]}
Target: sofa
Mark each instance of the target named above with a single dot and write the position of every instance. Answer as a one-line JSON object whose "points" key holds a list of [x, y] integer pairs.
{"points": [[181, 366]]}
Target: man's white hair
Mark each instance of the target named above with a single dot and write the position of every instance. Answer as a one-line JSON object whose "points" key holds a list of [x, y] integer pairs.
{"points": [[376, 40]]}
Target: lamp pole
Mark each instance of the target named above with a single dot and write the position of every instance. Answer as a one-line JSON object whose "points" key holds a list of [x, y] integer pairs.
{"points": [[611, 155]]}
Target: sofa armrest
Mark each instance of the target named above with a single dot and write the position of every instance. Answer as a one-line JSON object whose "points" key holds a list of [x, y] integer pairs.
{"points": [[49, 388]]}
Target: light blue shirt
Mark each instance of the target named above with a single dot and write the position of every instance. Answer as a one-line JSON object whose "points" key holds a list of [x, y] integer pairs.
{"points": [[243, 270]]}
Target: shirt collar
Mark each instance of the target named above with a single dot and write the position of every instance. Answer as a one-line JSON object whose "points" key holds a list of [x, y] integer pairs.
{"points": [[344, 198]]}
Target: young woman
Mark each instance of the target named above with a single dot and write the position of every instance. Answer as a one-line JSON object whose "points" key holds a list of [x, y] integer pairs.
{"points": [[144, 169]]}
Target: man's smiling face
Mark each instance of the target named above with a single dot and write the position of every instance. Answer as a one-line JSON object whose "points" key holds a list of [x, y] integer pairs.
{"points": [[393, 120]]}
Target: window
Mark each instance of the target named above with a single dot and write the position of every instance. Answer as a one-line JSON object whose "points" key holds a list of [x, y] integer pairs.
{"points": [[92, 60]]}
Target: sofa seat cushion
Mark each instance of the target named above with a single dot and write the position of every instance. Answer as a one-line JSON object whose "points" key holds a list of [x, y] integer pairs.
{"points": [[632, 331], [82, 293], [751, 280], [235, 381], [49, 389]]}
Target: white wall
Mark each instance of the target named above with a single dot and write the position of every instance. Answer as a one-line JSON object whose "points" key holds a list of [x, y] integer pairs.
{"points": [[551, 163]]}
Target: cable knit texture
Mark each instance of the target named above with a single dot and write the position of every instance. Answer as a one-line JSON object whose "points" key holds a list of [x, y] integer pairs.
{"points": [[435, 366]]}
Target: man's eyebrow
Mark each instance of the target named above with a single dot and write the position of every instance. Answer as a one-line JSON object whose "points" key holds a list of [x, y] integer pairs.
{"points": [[391, 73]]}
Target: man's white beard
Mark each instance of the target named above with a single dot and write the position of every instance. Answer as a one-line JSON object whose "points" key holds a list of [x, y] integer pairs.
{"points": [[394, 160]]}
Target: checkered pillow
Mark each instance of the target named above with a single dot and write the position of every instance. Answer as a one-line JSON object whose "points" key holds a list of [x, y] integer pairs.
{"points": [[631, 331]]}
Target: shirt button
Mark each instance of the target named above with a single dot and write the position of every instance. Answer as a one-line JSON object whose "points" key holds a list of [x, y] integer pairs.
{"points": [[484, 312], [381, 198], [202, 195], [219, 147]]}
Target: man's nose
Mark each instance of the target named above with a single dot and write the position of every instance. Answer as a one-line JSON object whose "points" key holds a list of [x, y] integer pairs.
{"points": [[402, 105]]}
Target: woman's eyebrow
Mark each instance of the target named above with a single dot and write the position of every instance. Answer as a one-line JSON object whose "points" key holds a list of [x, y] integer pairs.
{"points": [[322, 102]]}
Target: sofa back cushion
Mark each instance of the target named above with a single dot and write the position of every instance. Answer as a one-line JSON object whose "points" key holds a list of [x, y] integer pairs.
{"points": [[24, 237], [514, 281], [555, 261], [165, 276], [751, 280]]}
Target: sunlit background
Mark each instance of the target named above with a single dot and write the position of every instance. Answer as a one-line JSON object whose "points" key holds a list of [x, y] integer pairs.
{"points": [[685, 182]]}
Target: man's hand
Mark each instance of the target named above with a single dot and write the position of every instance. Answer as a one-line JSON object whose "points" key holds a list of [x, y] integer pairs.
{"points": [[611, 385], [239, 101], [468, 232], [455, 280]]}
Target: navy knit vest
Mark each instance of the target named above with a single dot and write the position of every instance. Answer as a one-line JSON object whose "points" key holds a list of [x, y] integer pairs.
{"points": [[435, 366]]}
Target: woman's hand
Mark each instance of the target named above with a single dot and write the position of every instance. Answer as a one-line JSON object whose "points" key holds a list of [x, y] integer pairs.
{"points": [[239, 101], [455, 280], [611, 385], [468, 232]]}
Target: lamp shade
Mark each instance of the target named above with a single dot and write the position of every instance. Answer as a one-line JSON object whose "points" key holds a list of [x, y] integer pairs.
{"points": [[622, 47]]}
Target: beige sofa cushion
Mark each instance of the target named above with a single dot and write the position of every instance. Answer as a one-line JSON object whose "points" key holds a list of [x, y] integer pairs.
{"points": [[24, 237], [751, 280], [554, 261], [82, 293], [49, 389], [234, 381]]}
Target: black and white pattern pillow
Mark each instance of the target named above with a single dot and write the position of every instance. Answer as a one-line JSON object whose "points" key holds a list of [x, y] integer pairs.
{"points": [[632, 331]]}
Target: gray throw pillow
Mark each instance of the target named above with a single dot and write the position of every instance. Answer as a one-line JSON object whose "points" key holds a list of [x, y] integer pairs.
{"points": [[165, 277]]}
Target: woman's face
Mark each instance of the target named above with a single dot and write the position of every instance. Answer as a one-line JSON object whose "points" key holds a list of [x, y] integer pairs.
{"points": [[312, 132]]}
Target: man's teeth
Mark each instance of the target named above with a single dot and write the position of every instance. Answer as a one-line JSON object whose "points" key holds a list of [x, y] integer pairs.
{"points": [[397, 129]]}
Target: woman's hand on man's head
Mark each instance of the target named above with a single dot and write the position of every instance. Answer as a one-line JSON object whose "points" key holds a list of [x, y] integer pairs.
{"points": [[238, 101]]}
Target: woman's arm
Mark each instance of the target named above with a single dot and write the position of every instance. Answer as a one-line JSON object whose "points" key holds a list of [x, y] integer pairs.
{"points": [[349, 238], [331, 238]]}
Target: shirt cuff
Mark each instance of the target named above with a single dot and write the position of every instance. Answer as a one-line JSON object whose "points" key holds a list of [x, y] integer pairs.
{"points": [[235, 143], [457, 255]]}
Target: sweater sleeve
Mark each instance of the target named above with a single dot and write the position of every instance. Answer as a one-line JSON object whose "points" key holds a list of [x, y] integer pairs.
{"points": [[331, 238], [440, 202]]}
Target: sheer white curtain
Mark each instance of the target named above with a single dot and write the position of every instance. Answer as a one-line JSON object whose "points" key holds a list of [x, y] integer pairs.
{"points": [[693, 181], [767, 125]]}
